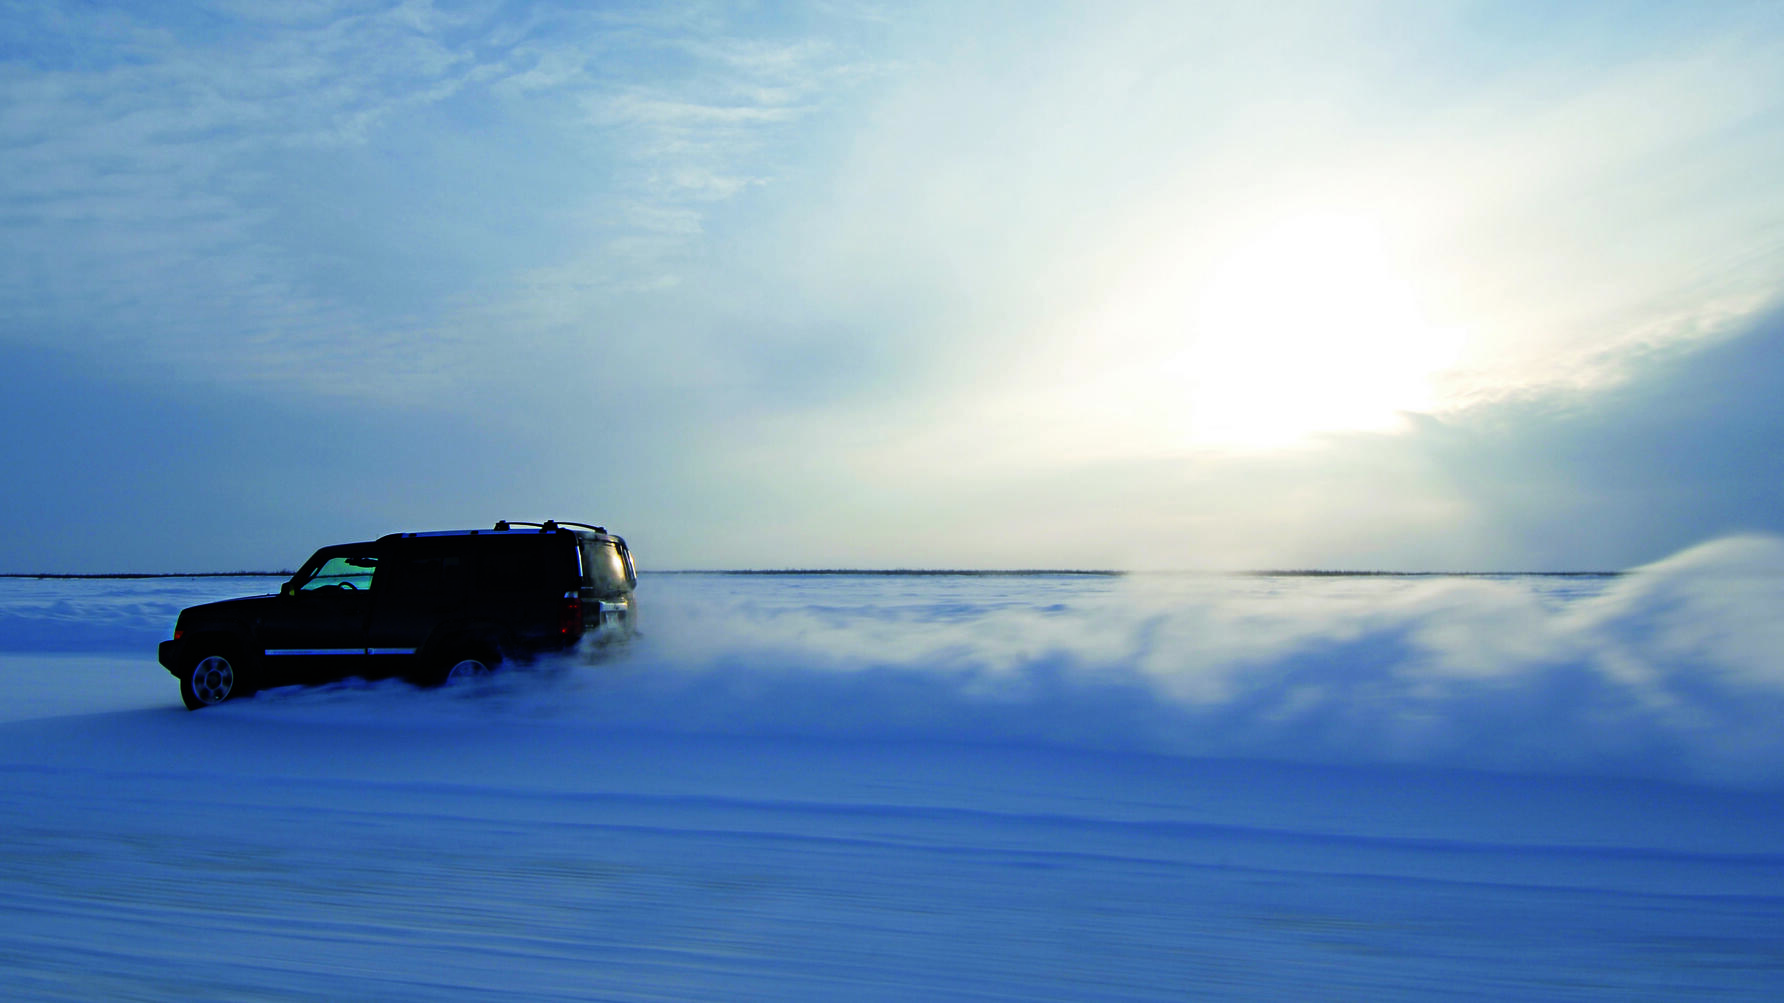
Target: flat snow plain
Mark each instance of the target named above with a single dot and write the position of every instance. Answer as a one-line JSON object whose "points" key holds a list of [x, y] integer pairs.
{"points": [[896, 788]]}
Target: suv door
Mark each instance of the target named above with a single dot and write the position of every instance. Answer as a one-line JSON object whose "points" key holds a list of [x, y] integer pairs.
{"points": [[316, 629], [523, 583], [423, 584]]}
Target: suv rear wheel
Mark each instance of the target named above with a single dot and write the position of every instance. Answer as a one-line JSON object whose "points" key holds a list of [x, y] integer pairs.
{"points": [[212, 678], [466, 665], [466, 669]]}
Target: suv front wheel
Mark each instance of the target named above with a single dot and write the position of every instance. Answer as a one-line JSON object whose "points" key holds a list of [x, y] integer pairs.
{"points": [[212, 678]]}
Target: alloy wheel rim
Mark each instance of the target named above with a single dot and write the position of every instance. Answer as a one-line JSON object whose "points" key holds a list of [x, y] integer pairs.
{"points": [[468, 668], [212, 679]]}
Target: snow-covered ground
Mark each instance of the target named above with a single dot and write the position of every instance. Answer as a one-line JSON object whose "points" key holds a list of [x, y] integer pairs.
{"points": [[835, 787]]}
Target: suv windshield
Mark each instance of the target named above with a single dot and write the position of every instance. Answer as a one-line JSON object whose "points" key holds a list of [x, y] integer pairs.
{"points": [[343, 571]]}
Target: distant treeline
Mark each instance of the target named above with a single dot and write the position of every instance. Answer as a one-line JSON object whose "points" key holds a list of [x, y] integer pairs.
{"points": [[149, 574], [915, 572], [1320, 573], [1108, 573]]}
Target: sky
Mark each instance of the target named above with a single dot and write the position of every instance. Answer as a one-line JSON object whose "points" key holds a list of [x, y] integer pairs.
{"points": [[1364, 285]]}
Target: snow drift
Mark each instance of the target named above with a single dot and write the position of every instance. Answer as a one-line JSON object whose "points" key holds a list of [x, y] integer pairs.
{"points": [[887, 788]]}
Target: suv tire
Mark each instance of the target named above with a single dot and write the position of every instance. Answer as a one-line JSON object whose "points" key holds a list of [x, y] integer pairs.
{"points": [[211, 678], [466, 665]]}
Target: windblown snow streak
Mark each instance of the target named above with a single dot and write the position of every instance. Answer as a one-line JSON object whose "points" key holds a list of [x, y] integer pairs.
{"points": [[1674, 671]]}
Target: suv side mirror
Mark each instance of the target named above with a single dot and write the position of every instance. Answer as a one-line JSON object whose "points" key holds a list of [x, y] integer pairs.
{"points": [[288, 589]]}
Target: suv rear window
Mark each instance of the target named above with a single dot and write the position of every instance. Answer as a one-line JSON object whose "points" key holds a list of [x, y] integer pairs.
{"points": [[604, 568]]}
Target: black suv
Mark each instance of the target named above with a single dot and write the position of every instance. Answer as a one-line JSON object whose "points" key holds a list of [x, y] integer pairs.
{"points": [[430, 607]]}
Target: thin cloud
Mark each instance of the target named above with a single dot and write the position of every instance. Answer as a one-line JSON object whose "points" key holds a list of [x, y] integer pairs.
{"points": [[173, 166], [850, 280]]}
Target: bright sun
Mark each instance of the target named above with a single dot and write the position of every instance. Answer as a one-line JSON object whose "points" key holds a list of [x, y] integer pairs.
{"points": [[1298, 329]]}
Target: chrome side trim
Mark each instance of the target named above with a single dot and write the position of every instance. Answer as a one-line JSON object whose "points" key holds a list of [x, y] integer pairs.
{"points": [[341, 651]]}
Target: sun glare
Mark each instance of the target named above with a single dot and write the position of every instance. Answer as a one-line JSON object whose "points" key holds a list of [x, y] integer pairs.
{"points": [[1292, 331], [1303, 328], [1253, 335]]}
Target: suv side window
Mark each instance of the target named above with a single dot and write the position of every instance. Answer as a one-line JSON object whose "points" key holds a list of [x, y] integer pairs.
{"points": [[424, 569], [526, 563], [344, 572]]}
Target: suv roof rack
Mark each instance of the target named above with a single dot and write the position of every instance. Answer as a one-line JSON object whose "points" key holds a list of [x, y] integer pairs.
{"points": [[548, 526]]}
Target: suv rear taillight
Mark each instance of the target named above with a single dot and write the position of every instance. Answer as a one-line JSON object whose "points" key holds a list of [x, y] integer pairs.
{"points": [[570, 618]]}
